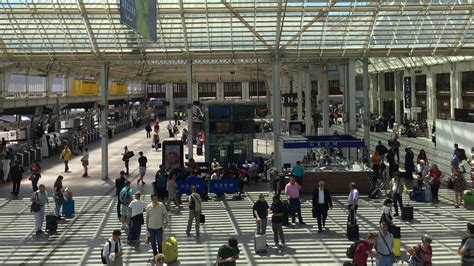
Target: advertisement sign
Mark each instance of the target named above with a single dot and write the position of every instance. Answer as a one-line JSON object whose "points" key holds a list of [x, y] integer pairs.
{"points": [[84, 87], [224, 186], [289, 99], [117, 88], [140, 16], [173, 154], [184, 186], [407, 90]]}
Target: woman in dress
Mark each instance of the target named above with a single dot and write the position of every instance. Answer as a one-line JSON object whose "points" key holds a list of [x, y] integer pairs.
{"points": [[459, 185]]}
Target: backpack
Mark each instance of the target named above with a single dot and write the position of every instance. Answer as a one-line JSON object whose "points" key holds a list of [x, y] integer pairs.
{"points": [[127, 198], [350, 252], [104, 260], [160, 180]]}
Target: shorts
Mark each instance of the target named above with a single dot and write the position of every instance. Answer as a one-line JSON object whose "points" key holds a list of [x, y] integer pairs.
{"points": [[142, 170], [85, 163], [124, 210]]}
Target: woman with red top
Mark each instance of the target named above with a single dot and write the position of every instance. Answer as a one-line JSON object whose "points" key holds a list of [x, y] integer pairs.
{"points": [[434, 176], [422, 156], [364, 249], [421, 254]]}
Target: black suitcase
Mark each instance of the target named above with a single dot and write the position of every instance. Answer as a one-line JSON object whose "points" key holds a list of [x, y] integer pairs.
{"points": [[353, 232], [407, 213], [51, 223], [395, 230], [285, 214]]}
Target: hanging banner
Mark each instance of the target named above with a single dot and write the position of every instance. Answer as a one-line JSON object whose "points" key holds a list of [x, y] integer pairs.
{"points": [[407, 90], [224, 186], [84, 87], [140, 16], [117, 88]]}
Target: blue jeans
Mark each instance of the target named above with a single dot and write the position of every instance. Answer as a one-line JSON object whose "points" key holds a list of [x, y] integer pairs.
{"points": [[295, 208], [156, 236], [384, 260]]}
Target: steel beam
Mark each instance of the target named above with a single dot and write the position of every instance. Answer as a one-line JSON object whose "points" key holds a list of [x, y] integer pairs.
{"points": [[90, 33]]}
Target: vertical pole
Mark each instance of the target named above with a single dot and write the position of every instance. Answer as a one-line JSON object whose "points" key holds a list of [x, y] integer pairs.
{"points": [[276, 97], [190, 107], [352, 96], [365, 86], [324, 89], [398, 90], [104, 93], [298, 84], [307, 104]]}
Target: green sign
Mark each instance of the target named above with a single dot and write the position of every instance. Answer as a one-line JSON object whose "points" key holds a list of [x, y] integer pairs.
{"points": [[140, 16]]}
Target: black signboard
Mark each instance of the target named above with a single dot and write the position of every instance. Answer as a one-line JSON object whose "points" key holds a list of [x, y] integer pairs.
{"points": [[289, 99], [464, 115], [407, 90]]}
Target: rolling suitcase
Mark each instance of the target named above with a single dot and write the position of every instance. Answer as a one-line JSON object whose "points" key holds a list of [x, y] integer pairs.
{"points": [[352, 230], [170, 249], [51, 223], [469, 197], [407, 212], [395, 231], [374, 193], [285, 213], [68, 208], [260, 243]]}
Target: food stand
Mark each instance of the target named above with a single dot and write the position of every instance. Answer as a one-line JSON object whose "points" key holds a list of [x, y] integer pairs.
{"points": [[334, 159]]}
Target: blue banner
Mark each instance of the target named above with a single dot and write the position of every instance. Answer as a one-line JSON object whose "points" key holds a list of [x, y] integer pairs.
{"points": [[224, 186], [184, 187], [323, 144], [140, 16]]}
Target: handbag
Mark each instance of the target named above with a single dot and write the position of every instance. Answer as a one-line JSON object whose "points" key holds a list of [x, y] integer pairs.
{"points": [[35, 206], [31, 178], [450, 183], [202, 218]]}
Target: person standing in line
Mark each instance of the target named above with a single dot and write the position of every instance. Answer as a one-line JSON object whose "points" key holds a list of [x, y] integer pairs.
{"points": [[364, 249], [397, 187], [353, 201], [466, 249], [260, 213], [85, 162], [36, 173], [277, 221], [148, 131], [292, 191], [41, 197], [142, 160], [136, 208], [171, 188], [228, 254], [384, 246], [421, 254], [459, 186], [170, 129], [58, 196], [119, 185], [298, 171], [112, 251], [434, 175], [126, 195], [16, 173], [321, 203], [66, 156], [376, 160], [195, 210], [156, 221]]}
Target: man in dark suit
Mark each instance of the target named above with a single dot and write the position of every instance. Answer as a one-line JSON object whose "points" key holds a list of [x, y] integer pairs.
{"points": [[321, 203], [393, 158]]}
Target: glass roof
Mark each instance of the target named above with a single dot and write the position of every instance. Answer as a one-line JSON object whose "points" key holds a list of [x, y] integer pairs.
{"points": [[88, 29]]}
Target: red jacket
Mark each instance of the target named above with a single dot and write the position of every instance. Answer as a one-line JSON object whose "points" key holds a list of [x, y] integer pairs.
{"points": [[360, 253], [436, 175]]}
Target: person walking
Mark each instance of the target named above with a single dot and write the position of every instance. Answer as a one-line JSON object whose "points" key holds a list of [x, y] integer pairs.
{"points": [[195, 210], [112, 251], [170, 129], [160, 182], [136, 208], [36, 175], [393, 158], [58, 196], [126, 155], [80, 142], [142, 160], [434, 175], [126, 195], [397, 187], [322, 201], [278, 212], [171, 188], [364, 249], [421, 254], [85, 162], [409, 163], [228, 254], [66, 156], [387, 213], [384, 246], [466, 249], [376, 160], [156, 141], [156, 221], [459, 185], [260, 213], [156, 127], [292, 191], [40, 197], [352, 202], [148, 131], [119, 185], [16, 173]]}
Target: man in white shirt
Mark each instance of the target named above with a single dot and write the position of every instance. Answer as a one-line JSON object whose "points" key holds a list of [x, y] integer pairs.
{"points": [[136, 208], [352, 203], [194, 210], [112, 251], [156, 221], [384, 246]]}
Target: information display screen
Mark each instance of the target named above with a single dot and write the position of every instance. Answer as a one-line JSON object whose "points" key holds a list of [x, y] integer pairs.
{"points": [[219, 112], [243, 126]]}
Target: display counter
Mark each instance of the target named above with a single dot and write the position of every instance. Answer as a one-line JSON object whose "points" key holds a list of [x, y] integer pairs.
{"points": [[337, 178]]}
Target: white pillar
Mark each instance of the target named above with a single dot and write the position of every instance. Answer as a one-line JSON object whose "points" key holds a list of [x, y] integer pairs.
{"points": [[365, 86], [342, 72], [324, 101], [189, 67], [104, 94], [298, 85], [308, 115], [380, 88], [169, 98], [431, 101], [268, 86], [195, 91], [220, 90], [398, 90], [455, 89], [276, 111], [49, 84], [245, 90], [351, 75]]}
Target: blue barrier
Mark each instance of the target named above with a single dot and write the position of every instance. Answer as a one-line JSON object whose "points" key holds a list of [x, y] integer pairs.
{"points": [[184, 187], [224, 186]]}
